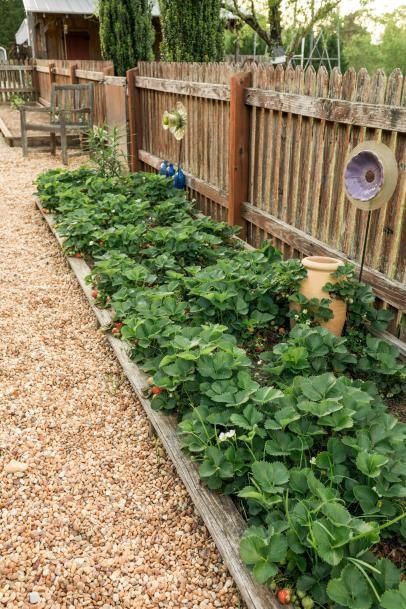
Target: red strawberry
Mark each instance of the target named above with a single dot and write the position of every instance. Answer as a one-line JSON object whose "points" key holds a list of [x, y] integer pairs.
{"points": [[284, 596]]}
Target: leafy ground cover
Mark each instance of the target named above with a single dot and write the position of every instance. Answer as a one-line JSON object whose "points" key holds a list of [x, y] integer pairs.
{"points": [[293, 423]]}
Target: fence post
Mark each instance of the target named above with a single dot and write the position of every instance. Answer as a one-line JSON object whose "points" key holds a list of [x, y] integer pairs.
{"points": [[134, 119], [35, 83], [238, 148], [73, 79]]}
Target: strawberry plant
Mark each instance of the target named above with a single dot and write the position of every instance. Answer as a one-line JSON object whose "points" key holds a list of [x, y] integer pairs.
{"points": [[314, 460], [308, 351]]}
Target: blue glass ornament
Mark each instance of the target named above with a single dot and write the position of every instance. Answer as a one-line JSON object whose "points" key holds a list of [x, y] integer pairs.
{"points": [[163, 168], [170, 172], [179, 179]]}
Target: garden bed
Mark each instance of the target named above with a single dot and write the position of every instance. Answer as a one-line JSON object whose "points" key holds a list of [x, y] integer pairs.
{"points": [[288, 422]]}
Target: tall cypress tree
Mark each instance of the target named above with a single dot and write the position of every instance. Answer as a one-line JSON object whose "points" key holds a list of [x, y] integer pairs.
{"points": [[192, 30], [126, 32], [11, 15]]}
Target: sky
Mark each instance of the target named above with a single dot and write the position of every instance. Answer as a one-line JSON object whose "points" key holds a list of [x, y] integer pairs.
{"points": [[377, 6]]}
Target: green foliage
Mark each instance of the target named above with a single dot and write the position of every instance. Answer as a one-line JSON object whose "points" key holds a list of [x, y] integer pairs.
{"points": [[243, 38], [307, 351], [380, 360], [359, 49], [16, 101], [103, 144], [192, 30], [316, 462], [11, 15], [126, 32], [393, 43]]}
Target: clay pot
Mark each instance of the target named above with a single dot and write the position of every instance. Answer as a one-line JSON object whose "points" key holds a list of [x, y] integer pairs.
{"points": [[319, 269]]}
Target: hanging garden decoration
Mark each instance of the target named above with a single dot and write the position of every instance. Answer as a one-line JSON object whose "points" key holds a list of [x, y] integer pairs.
{"points": [[370, 178], [176, 122]]}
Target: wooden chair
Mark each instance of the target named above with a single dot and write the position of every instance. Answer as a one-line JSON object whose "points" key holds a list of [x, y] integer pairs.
{"points": [[70, 112]]}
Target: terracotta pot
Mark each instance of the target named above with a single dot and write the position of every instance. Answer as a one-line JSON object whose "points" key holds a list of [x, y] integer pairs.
{"points": [[319, 269]]}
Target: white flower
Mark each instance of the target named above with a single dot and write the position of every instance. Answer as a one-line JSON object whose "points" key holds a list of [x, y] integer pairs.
{"points": [[91, 242], [313, 460], [225, 435], [304, 311]]}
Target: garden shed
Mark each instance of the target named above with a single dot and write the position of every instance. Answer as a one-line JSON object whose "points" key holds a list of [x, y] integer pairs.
{"points": [[68, 29]]}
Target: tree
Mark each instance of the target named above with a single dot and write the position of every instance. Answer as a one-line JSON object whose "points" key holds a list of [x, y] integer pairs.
{"points": [[359, 52], [192, 30], [393, 43], [305, 16], [11, 15], [126, 32], [242, 39]]}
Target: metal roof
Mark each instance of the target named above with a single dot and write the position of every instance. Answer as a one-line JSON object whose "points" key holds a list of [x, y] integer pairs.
{"points": [[70, 7], [82, 7]]}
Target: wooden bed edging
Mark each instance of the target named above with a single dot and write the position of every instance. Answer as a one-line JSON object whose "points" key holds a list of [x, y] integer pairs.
{"points": [[218, 512]]}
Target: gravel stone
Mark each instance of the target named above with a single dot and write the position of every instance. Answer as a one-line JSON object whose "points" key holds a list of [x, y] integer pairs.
{"points": [[99, 518], [34, 598], [15, 467]]}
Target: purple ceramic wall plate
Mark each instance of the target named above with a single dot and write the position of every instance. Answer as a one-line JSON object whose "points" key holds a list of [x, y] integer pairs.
{"points": [[364, 176]]}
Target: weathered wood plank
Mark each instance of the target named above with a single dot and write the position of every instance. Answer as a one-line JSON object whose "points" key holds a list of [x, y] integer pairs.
{"points": [[238, 157], [10, 68], [61, 71], [87, 75], [208, 190], [218, 512], [17, 90], [135, 119], [389, 290], [42, 69], [338, 110], [181, 87]]}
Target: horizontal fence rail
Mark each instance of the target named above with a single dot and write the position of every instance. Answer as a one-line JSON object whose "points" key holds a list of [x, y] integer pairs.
{"points": [[269, 153]]}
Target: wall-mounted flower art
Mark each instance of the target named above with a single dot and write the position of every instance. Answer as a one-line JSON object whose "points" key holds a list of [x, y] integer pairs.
{"points": [[176, 122]]}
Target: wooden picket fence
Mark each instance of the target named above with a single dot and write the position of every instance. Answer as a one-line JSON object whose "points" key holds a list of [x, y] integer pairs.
{"points": [[266, 147], [75, 73], [34, 81], [17, 80]]}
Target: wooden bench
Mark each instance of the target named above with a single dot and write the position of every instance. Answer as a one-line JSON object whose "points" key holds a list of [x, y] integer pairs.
{"points": [[70, 112]]}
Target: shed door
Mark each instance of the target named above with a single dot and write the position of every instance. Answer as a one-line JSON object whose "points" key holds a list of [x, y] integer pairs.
{"points": [[78, 45]]}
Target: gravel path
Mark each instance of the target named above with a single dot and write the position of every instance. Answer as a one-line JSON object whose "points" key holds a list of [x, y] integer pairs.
{"points": [[99, 518]]}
